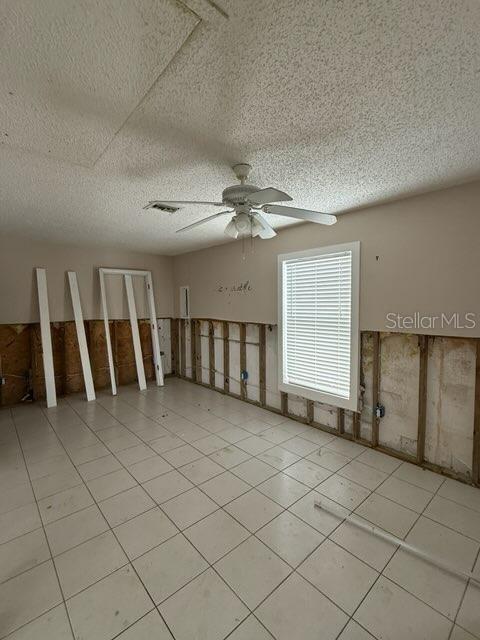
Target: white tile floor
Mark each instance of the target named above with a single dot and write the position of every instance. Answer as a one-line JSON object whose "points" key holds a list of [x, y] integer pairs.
{"points": [[183, 513]]}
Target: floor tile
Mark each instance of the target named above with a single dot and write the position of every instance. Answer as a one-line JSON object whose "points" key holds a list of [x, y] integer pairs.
{"points": [[182, 455], [419, 477], [439, 589], [99, 467], [308, 473], [210, 444], [18, 522], [41, 585], [353, 631], [52, 625], [213, 610], [383, 614], [460, 634], [48, 485], [216, 535], [23, 553], [64, 503], [255, 426], [188, 508], [111, 484], [299, 446], [291, 538], [362, 474], [166, 443], [442, 542], [275, 435], [201, 470], [167, 486], [225, 488], [339, 575], [379, 460], [229, 456], [298, 610], [328, 459], [168, 567], [254, 471], [405, 494], [344, 491], [109, 606], [142, 533], [345, 447], [459, 492], [126, 505], [320, 519], [250, 629], [149, 468], [469, 614], [150, 627], [253, 510], [135, 454], [89, 562], [75, 529], [253, 571], [320, 438], [233, 434], [87, 454], [16, 497], [362, 544], [283, 489], [279, 457], [455, 516], [254, 445], [387, 514]]}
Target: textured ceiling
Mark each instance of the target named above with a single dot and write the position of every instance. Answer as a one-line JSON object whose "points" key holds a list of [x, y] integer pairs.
{"points": [[105, 105]]}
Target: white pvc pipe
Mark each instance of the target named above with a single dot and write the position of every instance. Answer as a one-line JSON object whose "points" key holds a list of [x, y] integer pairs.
{"points": [[388, 537]]}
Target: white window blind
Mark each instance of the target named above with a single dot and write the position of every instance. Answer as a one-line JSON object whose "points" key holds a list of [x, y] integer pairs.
{"points": [[317, 322]]}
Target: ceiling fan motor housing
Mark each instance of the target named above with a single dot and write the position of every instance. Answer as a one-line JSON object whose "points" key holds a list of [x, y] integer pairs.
{"points": [[238, 194]]}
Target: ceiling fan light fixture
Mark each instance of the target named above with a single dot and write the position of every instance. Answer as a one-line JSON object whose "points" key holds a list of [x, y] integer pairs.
{"points": [[231, 229], [242, 222], [256, 228]]}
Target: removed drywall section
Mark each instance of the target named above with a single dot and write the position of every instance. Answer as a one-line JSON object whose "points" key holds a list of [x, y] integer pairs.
{"points": [[450, 403], [19, 257]]}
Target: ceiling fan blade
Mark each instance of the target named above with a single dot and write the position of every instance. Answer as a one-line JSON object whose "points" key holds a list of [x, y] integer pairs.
{"points": [[199, 222], [152, 203], [270, 194], [266, 231], [301, 214]]}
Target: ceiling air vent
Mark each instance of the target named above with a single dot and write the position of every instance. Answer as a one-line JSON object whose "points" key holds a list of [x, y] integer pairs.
{"points": [[164, 207]]}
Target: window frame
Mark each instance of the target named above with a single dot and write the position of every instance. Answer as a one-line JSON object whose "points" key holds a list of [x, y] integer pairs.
{"points": [[344, 403]]}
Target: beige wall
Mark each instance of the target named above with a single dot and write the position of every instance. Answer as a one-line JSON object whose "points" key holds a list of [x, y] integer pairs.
{"points": [[18, 292], [420, 254]]}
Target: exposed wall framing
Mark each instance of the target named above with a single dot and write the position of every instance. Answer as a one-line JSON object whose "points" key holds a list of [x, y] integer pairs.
{"points": [[387, 360], [21, 363], [430, 386]]}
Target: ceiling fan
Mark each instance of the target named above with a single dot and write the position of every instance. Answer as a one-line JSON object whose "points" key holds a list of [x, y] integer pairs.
{"points": [[247, 203]]}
